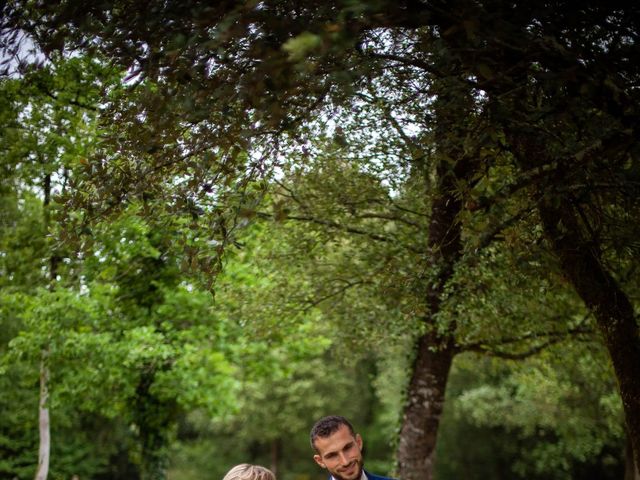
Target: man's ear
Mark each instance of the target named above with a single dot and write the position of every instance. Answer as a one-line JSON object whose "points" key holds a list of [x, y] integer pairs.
{"points": [[318, 460], [359, 441]]}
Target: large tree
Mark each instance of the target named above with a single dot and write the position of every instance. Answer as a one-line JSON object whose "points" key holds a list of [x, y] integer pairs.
{"points": [[561, 87]]}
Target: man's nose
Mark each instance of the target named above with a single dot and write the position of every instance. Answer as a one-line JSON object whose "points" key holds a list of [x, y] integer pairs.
{"points": [[343, 458]]}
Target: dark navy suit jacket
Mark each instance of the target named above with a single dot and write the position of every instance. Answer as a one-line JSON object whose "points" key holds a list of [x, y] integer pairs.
{"points": [[371, 476]]}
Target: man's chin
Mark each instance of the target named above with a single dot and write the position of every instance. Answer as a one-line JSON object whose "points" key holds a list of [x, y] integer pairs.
{"points": [[348, 475]]}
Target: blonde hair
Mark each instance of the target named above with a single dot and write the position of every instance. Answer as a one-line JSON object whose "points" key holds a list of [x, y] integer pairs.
{"points": [[246, 471]]}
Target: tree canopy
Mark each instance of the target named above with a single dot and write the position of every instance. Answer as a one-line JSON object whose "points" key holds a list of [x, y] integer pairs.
{"points": [[440, 155]]}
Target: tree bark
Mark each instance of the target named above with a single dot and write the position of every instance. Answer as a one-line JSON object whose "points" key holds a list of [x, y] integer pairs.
{"points": [[276, 447], [416, 450], [630, 467]]}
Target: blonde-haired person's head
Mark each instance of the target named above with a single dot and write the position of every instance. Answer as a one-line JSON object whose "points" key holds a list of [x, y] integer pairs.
{"points": [[246, 471]]}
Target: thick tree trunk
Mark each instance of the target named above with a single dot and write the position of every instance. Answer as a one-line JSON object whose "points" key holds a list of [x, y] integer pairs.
{"points": [[422, 413], [577, 250], [435, 349], [630, 467], [582, 265]]}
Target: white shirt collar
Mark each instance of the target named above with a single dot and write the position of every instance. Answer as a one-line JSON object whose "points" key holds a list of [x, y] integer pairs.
{"points": [[362, 477]]}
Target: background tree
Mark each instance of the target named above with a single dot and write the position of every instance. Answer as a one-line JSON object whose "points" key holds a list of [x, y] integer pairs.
{"points": [[107, 317], [543, 417], [37, 152]]}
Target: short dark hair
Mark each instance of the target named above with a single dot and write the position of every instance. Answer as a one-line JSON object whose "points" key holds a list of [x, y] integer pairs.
{"points": [[328, 425]]}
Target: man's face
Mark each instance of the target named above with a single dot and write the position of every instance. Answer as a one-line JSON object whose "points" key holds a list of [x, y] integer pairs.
{"points": [[341, 454]]}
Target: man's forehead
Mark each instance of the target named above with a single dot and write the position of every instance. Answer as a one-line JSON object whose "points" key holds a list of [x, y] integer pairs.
{"points": [[334, 441]]}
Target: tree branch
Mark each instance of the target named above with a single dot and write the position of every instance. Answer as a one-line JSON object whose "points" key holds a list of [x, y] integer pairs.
{"points": [[338, 291], [551, 338], [489, 236], [393, 218], [344, 228]]}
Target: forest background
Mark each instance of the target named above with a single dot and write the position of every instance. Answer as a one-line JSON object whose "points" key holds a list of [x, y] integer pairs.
{"points": [[221, 222]]}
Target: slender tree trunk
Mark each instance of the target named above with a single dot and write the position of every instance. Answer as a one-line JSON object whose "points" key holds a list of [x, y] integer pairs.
{"points": [[276, 446], [154, 418], [43, 421], [44, 427]]}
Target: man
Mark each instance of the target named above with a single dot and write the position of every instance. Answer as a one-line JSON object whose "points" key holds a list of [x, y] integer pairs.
{"points": [[339, 449]]}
